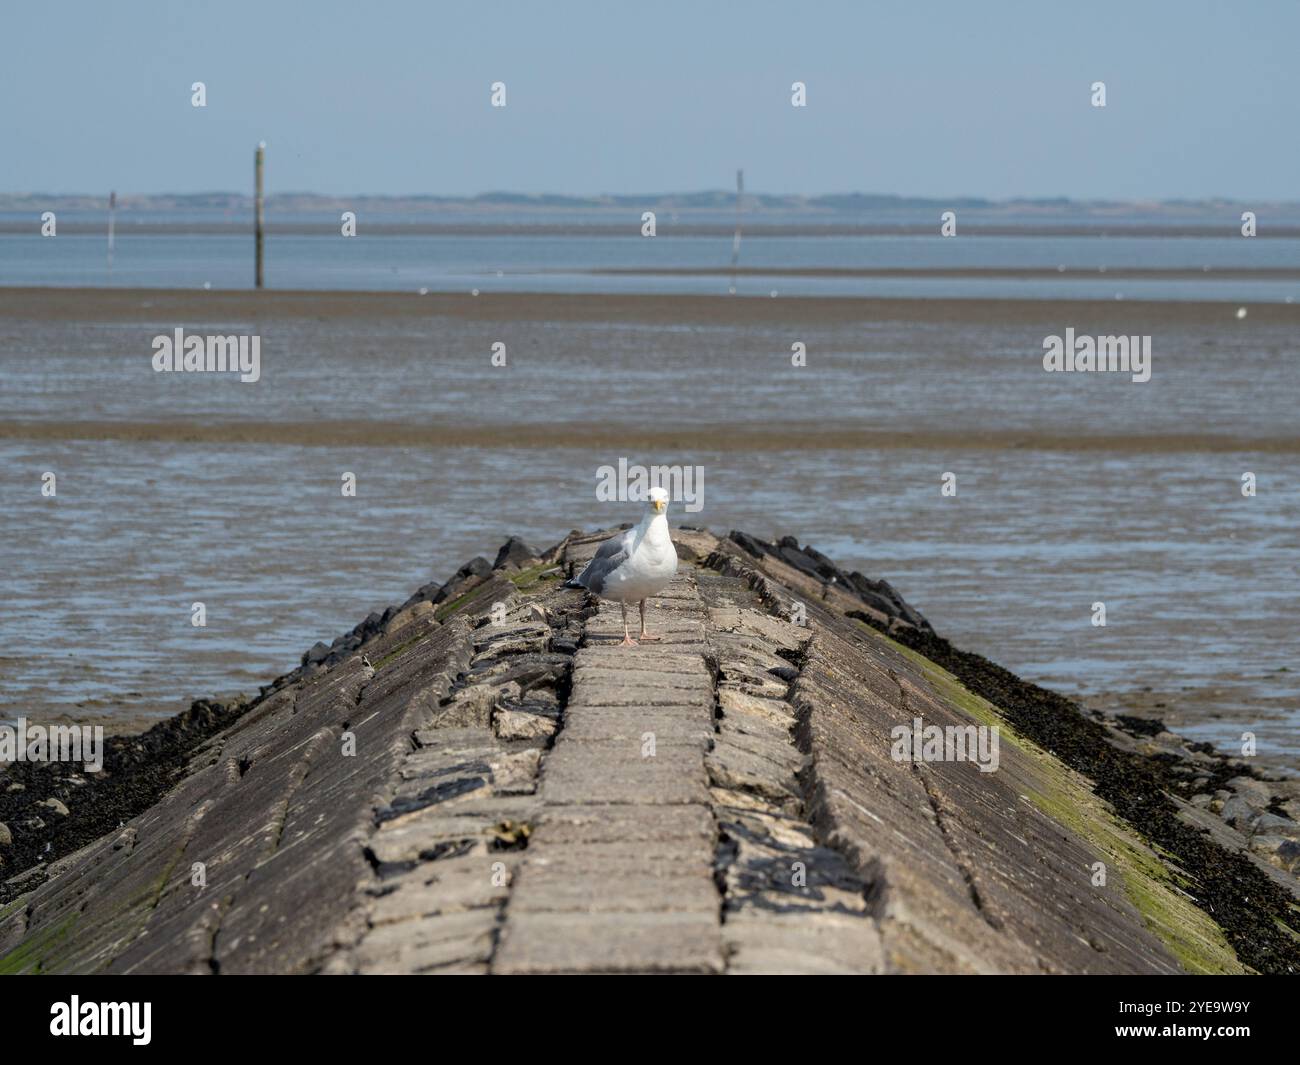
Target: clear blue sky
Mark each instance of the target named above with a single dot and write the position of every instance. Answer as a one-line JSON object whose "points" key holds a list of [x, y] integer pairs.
{"points": [[929, 99]]}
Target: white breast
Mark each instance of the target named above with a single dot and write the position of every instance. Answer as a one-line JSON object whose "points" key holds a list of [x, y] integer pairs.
{"points": [[648, 570]]}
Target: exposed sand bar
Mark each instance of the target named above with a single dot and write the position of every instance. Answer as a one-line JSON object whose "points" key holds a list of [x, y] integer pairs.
{"points": [[921, 273], [777, 438], [114, 304]]}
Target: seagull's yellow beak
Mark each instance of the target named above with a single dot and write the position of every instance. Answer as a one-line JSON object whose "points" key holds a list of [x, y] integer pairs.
{"points": [[660, 506]]}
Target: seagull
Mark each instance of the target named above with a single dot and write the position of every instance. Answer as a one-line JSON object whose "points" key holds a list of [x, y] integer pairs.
{"points": [[634, 565]]}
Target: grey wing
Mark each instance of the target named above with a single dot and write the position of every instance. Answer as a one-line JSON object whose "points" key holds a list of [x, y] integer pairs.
{"points": [[608, 557]]}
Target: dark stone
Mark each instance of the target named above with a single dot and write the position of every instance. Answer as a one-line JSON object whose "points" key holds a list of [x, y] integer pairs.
{"points": [[516, 551], [1238, 813], [528, 670], [880, 595], [823, 564], [751, 544], [1141, 726], [423, 594], [796, 558], [450, 789], [470, 573], [1278, 826], [808, 560]]}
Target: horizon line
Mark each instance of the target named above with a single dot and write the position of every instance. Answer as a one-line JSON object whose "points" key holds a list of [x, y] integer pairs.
{"points": [[702, 197]]}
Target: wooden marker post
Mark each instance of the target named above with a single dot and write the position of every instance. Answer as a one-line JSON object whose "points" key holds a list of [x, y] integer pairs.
{"points": [[258, 209]]}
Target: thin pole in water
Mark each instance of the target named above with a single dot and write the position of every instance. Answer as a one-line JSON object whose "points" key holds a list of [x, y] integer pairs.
{"points": [[258, 209], [112, 211], [735, 243]]}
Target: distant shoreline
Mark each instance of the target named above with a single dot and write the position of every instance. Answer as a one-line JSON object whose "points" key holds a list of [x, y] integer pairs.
{"points": [[667, 226]]}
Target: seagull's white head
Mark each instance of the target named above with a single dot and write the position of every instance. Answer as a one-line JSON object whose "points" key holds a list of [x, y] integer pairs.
{"points": [[657, 501]]}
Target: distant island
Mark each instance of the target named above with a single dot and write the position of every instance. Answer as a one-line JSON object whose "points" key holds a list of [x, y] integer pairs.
{"points": [[712, 213], [707, 200]]}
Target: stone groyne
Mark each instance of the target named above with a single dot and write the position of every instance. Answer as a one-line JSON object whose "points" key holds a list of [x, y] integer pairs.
{"points": [[481, 781]]}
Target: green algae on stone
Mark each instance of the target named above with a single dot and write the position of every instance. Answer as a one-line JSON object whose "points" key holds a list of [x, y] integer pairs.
{"points": [[1187, 931], [38, 950], [12, 908], [406, 645], [528, 579], [450, 607]]}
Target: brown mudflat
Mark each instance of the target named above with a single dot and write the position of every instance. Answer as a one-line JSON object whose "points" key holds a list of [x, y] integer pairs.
{"points": [[1071, 489], [108, 304]]}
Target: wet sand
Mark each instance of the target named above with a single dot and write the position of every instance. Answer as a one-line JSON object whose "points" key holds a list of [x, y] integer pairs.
{"points": [[777, 437], [1214, 713], [652, 434], [126, 304], [177, 487]]}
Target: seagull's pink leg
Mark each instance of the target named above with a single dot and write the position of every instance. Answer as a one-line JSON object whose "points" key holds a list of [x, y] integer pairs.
{"points": [[645, 635], [627, 636]]}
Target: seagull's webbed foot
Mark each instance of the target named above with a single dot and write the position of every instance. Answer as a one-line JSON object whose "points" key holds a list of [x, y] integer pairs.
{"points": [[629, 642]]}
